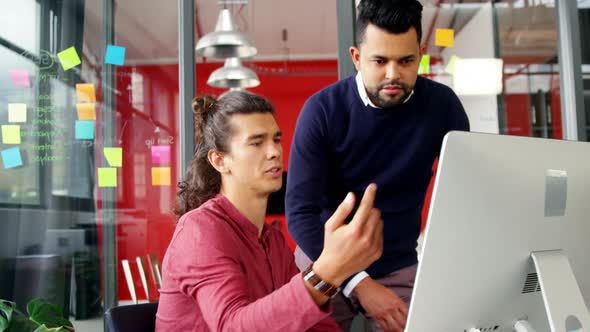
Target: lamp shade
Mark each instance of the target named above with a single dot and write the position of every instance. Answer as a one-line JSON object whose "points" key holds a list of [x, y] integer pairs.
{"points": [[233, 75], [225, 41]]}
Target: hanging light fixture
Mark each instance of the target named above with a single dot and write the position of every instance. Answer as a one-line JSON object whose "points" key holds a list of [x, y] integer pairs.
{"points": [[225, 42], [233, 76]]}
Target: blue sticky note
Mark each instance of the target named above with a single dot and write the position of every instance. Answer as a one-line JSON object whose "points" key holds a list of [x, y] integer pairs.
{"points": [[84, 129], [11, 158], [115, 55]]}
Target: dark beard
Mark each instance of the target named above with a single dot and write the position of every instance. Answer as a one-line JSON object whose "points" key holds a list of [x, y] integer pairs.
{"points": [[386, 103]]}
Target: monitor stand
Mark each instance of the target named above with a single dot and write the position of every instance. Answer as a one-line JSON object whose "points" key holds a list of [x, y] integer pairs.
{"points": [[563, 299], [561, 294]]}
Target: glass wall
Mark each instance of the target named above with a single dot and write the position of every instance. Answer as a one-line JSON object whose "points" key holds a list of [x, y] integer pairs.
{"points": [[501, 61], [89, 102], [90, 135], [88, 114]]}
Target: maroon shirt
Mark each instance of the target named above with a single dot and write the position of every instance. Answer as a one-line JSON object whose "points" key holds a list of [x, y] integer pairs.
{"points": [[218, 275]]}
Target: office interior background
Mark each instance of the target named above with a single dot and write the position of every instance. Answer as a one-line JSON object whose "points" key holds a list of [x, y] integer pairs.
{"points": [[95, 138]]}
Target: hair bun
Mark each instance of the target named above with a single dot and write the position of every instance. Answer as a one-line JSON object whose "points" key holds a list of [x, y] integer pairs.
{"points": [[203, 106]]}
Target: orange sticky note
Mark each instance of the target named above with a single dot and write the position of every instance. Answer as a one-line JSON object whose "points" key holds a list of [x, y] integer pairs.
{"points": [[85, 92], [86, 111], [161, 176], [445, 37], [107, 177]]}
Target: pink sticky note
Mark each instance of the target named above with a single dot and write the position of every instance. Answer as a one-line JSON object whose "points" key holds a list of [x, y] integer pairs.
{"points": [[20, 78], [161, 154]]}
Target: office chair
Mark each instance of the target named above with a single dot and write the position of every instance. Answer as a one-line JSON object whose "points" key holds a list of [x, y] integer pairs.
{"points": [[136, 317]]}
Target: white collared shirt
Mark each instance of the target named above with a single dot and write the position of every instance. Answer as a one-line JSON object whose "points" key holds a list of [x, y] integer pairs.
{"points": [[363, 92]]}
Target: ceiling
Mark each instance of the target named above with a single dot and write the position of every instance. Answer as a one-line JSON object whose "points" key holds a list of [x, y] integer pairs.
{"points": [[307, 29]]}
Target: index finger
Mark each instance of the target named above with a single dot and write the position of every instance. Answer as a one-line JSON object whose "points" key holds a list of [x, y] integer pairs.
{"points": [[366, 205]]}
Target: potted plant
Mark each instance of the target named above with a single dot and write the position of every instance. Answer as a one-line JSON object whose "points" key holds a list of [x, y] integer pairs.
{"points": [[42, 317]]}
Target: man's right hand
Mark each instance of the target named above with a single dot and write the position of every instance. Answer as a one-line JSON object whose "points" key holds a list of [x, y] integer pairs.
{"points": [[382, 304], [350, 248]]}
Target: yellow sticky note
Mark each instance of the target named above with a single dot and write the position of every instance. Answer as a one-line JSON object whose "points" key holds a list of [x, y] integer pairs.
{"points": [[160, 176], [69, 58], [114, 156], [450, 68], [424, 67], [17, 112], [85, 92], [11, 134], [86, 111], [107, 177], [445, 37]]}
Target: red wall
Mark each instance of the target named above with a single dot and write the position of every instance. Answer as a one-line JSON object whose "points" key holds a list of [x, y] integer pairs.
{"points": [[144, 223]]}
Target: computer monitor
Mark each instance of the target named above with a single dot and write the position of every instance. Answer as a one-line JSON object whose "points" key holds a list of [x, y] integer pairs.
{"points": [[499, 201]]}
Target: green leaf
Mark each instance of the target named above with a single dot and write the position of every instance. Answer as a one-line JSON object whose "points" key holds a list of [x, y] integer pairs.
{"points": [[21, 323], [43, 328], [3, 324], [6, 310], [45, 313]]}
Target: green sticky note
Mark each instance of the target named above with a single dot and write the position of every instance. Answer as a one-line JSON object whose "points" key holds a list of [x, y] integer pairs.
{"points": [[17, 113], [114, 156], [424, 65], [450, 68], [69, 58], [11, 134], [107, 177]]}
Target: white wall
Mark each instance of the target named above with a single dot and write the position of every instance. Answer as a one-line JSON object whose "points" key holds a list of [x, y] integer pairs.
{"points": [[476, 40]]}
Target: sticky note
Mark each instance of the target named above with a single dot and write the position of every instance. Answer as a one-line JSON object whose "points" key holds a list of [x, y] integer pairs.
{"points": [[115, 55], [424, 65], [114, 156], [11, 158], [160, 176], [450, 68], [86, 111], [69, 58], [20, 78], [161, 154], [17, 113], [445, 37], [107, 177], [84, 129], [11, 134], [85, 92]]}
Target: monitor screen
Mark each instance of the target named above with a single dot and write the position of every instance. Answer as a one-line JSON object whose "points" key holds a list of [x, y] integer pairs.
{"points": [[496, 200]]}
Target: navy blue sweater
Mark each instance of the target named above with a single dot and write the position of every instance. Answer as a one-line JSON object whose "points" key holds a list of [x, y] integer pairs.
{"points": [[341, 145]]}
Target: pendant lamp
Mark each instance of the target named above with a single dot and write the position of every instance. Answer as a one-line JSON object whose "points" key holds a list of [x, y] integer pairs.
{"points": [[225, 42], [233, 75]]}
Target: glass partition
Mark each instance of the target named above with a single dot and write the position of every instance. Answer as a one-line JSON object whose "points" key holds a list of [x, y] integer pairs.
{"points": [[71, 162]]}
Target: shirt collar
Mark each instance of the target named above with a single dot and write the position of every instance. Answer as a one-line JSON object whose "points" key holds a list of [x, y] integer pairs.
{"points": [[363, 92], [246, 225]]}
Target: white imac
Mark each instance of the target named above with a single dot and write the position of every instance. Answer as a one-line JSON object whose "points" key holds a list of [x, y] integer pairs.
{"points": [[507, 243]]}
